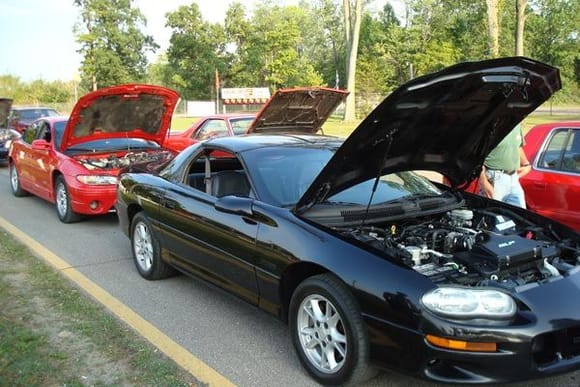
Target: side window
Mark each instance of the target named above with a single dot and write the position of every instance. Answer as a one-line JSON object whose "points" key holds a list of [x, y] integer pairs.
{"points": [[219, 174], [563, 151], [571, 160], [30, 133], [211, 128], [44, 132]]}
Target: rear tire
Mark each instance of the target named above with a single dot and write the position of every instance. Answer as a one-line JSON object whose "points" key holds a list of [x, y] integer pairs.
{"points": [[146, 250], [15, 182], [328, 332], [63, 202]]}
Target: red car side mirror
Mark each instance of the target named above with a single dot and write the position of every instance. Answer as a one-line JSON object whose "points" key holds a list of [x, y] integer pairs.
{"points": [[40, 145]]}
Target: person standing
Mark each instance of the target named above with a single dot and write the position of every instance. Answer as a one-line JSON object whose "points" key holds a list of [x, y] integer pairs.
{"points": [[502, 169]]}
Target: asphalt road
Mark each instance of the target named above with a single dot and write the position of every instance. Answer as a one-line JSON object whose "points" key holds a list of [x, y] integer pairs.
{"points": [[241, 343]]}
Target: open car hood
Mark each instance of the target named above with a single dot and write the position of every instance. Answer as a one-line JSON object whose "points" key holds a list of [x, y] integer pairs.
{"points": [[445, 122], [132, 110], [302, 110], [5, 106]]}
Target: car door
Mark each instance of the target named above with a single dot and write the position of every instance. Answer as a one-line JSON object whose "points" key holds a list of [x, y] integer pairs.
{"points": [[23, 158], [215, 245], [552, 188], [42, 161]]}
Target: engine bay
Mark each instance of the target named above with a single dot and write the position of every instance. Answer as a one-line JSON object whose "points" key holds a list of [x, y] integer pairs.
{"points": [[122, 160], [475, 247]]}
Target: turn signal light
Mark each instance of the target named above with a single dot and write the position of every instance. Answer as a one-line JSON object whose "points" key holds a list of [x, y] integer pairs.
{"points": [[460, 345]]}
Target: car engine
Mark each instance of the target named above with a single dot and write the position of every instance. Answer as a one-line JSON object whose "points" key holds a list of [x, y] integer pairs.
{"points": [[118, 161], [475, 248]]}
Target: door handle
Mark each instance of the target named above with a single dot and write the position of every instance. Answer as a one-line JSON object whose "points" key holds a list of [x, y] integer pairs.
{"points": [[539, 184]]}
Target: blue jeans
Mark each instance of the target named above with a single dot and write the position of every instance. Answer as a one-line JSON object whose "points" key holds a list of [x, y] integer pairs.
{"points": [[507, 188]]}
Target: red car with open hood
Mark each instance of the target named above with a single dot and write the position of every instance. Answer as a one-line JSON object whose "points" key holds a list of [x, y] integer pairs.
{"points": [[74, 162], [303, 109]]}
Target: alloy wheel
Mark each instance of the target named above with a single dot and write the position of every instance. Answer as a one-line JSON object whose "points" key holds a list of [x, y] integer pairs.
{"points": [[322, 334], [61, 200], [14, 179], [143, 247]]}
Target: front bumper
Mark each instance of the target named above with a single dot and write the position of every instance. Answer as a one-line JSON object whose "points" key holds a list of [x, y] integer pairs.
{"points": [[536, 344], [92, 200]]}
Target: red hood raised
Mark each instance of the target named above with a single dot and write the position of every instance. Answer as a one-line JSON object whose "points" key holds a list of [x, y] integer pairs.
{"points": [[132, 110], [302, 110]]}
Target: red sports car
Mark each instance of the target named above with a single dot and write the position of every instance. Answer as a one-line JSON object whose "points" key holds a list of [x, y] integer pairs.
{"points": [[288, 110], [552, 187], [74, 162], [211, 126]]}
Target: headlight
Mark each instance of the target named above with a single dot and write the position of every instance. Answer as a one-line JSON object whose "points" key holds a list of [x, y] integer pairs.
{"points": [[462, 303], [97, 179], [7, 144]]}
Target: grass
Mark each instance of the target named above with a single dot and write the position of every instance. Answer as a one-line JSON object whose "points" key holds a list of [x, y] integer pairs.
{"points": [[52, 334], [336, 127]]}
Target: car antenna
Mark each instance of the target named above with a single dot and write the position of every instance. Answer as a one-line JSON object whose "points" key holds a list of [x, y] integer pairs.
{"points": [[388, 139]]}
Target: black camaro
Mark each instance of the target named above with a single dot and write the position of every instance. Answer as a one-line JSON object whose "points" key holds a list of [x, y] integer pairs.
{"points": [[369, 263]]}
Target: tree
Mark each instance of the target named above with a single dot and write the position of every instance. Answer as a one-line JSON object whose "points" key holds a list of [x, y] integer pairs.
{"points": [[278, 48], [352, 22], [520, 21], [112, 44], [238, 31], [553, 36], [197, 48], [493, 27]]}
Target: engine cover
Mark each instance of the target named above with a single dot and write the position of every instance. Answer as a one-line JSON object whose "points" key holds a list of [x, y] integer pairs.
{"points": [[495, 253]]}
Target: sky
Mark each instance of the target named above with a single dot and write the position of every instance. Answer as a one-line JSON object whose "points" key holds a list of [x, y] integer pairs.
{"points": [[38, 40]]}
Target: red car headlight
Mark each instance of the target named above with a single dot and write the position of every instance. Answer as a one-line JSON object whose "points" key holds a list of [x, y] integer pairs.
{"points": [[97, 179]]}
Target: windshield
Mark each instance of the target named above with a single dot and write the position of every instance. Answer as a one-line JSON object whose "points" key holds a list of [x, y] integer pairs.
{"points": [[240, 125], [283, 174], [58, 132], [114, 144], [392, 187]]}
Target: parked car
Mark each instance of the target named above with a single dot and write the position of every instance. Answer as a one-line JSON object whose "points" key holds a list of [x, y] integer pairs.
{"points": [[75, 162], [22, 116], [6, 135], [270, 116], [369, 263], [552, 187], [208, 127]]}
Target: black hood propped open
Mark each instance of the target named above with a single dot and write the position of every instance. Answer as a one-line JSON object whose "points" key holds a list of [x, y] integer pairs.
{"points": [[445, 122]]}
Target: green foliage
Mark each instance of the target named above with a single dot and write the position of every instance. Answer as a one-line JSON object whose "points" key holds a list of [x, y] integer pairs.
{"points": [[197, 50], [286, 46], [112, 44], [37, 92]]}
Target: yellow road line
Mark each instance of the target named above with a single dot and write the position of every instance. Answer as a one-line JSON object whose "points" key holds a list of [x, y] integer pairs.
{"points": [[173, 350]]}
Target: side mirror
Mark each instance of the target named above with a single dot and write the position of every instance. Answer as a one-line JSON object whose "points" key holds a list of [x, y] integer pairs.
{"points": [[40, 145], [235, 205]]}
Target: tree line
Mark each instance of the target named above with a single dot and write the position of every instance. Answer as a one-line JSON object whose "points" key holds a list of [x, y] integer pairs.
{"points": [[308, 44]]}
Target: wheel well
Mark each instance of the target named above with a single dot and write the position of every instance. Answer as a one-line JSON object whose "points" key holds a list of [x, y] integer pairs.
{"points": [[55, 175], [132, 210], [290, 280]]}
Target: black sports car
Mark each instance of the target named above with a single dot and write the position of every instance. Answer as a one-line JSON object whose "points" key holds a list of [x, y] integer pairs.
{"points": [[369, 263]]}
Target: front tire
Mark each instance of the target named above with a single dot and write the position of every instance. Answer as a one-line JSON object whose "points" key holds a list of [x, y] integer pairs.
{"points": [[146, 250], [15, 182], [328, 333], [63, 202]]}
